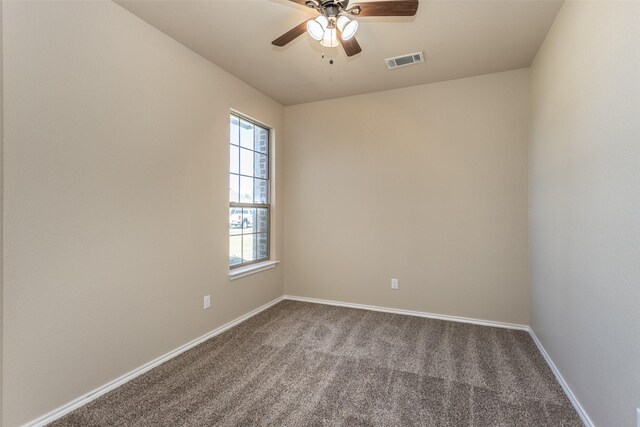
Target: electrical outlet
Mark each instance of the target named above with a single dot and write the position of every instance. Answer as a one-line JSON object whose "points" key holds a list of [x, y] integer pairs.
{"points": [[207, 301], [394, 283]]}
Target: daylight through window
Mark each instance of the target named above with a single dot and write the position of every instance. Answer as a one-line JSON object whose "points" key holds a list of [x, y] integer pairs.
{"points": [[249, 206]]}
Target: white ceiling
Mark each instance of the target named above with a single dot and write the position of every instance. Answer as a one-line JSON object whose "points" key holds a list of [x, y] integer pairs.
{"points": [[460, 38]]}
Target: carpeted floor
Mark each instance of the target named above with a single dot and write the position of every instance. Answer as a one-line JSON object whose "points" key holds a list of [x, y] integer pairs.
{"points": [[301, 364]]}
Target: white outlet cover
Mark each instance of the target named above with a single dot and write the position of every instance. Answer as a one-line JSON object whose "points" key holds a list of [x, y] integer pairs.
{"points": [[394, 283], [207, 301]]}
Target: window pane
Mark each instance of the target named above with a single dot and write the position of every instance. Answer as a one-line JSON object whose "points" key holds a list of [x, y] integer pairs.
{"points": [[248, 184], [246, 189], [262, 140], [248, 247], [235, 250], [261, 166], [234, 188], [248, 220], [262, 219], [234, 159], [246, 162], [260, 190], [246, 134], [262, 245], [235, 221], [234, 130]]}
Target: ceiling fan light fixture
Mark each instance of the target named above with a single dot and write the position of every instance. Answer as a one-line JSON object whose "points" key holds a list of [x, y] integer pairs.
{"points": [[329, 32], [315, 27], [347, 27]]}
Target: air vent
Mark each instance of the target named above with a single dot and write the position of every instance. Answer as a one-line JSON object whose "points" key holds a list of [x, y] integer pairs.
{"points": [[404, 60]]}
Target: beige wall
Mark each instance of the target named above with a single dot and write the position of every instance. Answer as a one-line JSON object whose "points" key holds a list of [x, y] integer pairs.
{"points": [[426, 184], [116, 199], [585, 204], [1, 211]]}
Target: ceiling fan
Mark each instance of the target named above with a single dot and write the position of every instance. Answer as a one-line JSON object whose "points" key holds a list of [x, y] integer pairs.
{"points": [[333, 26]]}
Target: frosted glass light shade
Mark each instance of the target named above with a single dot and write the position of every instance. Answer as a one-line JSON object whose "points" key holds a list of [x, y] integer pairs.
{"points": [[315, 27], [330, 38], [347, 27], [315, 30]]}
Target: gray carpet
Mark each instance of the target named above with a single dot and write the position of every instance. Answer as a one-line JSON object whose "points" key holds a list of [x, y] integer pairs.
{"points": [[301, 364]]}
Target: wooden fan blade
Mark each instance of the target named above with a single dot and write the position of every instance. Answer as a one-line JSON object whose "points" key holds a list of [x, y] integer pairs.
{"points": [[388, 8], [351, 46], [302, 2], [290, 35]]}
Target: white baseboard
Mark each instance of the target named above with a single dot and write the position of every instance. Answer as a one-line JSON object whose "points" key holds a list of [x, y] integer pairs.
{"points": [[83, 400], [574, 401], [88, 397], [411, 313]]}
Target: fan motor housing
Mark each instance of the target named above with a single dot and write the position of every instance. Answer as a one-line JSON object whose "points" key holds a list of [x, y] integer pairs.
{"points": [[342, 3], [331, 10]]}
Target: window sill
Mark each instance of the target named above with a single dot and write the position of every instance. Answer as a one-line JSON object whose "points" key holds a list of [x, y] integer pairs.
{"points": [[251, 269]]}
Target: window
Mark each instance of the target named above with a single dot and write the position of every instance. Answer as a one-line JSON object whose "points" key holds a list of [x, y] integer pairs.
{"points": [[249, 199]]}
